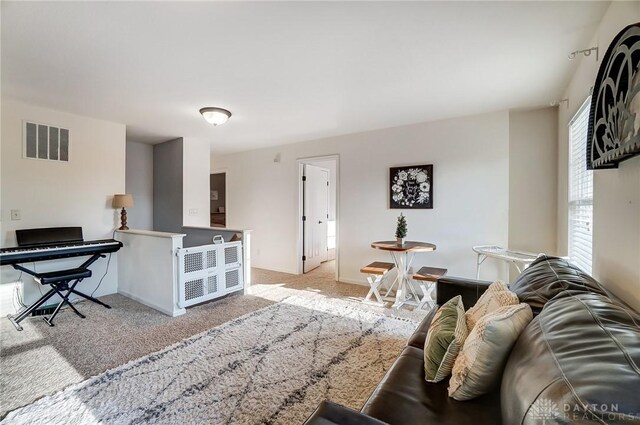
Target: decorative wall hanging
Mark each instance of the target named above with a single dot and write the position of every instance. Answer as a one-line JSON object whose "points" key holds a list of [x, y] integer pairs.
{"points": [[614, 119], [411, 187]]}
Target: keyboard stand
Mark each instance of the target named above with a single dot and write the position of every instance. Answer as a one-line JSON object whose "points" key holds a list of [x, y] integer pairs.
{"points": [[63, 283]]}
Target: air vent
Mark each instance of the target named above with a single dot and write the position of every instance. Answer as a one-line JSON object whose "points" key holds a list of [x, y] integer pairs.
{"points": [[41, 141]]}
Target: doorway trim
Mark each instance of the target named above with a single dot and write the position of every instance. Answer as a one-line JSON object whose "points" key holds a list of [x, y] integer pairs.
{"points": [[299, 232]]}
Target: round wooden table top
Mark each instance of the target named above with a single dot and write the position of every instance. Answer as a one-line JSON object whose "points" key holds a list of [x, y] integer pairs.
{"points": [[408, 246]]}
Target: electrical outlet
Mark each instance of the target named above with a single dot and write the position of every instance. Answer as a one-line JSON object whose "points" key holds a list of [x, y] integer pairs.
{"points": [[193, 211], [15, 215]]}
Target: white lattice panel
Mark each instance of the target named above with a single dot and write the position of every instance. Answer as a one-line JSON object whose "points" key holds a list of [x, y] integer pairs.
{"points": [[209, 271], [233, 271], [232, 254]]}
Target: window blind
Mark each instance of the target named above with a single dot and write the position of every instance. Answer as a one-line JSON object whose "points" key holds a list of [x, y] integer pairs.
{"points": [[580, 192]]}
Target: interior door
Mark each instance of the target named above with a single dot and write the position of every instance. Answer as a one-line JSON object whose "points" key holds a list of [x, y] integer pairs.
{"points": [[315, 214]]}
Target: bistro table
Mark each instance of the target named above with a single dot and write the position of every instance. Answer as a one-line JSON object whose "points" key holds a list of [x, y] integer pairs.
{"points": [[403, 256]]}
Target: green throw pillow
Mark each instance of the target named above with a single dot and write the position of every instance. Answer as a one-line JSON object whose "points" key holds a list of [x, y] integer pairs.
{"points": [[445, 338]]}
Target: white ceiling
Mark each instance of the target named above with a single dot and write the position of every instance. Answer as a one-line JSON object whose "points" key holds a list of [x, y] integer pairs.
{"points": [[288, 71]]}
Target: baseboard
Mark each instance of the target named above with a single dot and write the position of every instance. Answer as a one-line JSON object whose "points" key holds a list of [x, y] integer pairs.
{"points": [[340, 279], [271, 269], [352, 281], [172, 313]]}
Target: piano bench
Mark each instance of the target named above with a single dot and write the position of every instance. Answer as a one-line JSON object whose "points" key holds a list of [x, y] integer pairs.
{"points": [[62, 276]]}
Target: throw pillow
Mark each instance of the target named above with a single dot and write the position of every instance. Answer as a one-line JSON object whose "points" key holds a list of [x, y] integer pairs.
{"points": [[479, 366], [496, 296], [444, 340]]}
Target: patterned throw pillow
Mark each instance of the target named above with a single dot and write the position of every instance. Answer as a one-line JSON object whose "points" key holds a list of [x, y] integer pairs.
{"points": [[496, 296], [479, 366], [444, 340]]}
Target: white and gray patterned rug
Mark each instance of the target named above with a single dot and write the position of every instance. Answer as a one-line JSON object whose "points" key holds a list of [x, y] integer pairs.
{"points": [[270, 366]]}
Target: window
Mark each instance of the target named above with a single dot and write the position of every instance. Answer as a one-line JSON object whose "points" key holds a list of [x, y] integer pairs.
{"points": [[580, 191]]}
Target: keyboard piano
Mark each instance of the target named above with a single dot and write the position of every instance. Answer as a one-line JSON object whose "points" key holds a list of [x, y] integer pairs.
{"points": [[17, 255], [51, 244], [54, 243]]}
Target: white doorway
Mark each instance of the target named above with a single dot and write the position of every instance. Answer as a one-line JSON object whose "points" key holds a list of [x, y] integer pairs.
{"points": [[318, 222]]}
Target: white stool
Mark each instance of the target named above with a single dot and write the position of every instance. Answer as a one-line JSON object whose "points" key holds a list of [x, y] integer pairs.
{"points": [[377, 272], [426, 279]]}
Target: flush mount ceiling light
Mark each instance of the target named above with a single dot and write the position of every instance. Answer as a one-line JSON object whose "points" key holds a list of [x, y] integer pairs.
{"points": [[215, 116]]}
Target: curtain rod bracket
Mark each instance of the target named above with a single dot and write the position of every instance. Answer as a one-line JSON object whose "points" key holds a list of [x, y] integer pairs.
{"points": [[584, 52]]}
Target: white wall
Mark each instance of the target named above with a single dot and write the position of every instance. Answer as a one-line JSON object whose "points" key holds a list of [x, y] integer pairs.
{"points": [[49, 193], [616, 227], [470, 156], [139, 183], [148, 269], [196, 174], [533, 172]]}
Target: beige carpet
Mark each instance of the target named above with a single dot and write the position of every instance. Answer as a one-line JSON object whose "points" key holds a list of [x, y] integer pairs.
{"points": [[43, 360], [271, 366]]}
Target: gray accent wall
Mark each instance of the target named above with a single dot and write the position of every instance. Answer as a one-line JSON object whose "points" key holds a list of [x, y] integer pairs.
{"points": [[167, 186], [139, 183], [197, 237]]}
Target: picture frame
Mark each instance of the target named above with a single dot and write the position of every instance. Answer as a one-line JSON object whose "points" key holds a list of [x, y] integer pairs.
{"points": [[411, 187]]}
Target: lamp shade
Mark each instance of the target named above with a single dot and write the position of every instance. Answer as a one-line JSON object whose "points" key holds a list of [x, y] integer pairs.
{"points": [[122, 201], [215, 116]]}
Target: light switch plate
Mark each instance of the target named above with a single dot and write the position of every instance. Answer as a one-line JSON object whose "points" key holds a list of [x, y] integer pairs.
{"points": [[193, 211], [15, 215]]}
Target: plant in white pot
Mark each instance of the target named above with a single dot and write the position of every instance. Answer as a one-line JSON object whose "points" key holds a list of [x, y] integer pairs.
{"points": [[401, 229]]}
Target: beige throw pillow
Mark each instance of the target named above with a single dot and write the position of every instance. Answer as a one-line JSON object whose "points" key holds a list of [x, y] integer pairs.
{"points": [[496, 296], [479, 366], [444, 340]]}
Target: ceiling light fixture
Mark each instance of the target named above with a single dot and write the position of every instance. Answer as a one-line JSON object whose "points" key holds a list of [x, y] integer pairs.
{"points": [[215, 116]]}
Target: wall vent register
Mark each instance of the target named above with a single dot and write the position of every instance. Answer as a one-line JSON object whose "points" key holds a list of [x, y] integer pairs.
{"points": [[41, 141]]}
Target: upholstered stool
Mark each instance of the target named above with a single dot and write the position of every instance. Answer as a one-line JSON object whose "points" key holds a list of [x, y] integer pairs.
{"points": [[426, 279], [377, 272]]}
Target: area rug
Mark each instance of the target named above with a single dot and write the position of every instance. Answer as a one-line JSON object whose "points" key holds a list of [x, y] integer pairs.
{"points": [[271, 366]]}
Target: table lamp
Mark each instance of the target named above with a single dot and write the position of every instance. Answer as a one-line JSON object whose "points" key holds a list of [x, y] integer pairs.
{"points": [[123, 201]]}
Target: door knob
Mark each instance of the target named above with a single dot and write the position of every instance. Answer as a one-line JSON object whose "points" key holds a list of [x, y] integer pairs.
{"points": [[319, 221]]}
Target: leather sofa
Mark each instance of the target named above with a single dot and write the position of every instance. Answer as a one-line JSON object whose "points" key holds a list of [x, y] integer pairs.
{"points": [[578, 361]]}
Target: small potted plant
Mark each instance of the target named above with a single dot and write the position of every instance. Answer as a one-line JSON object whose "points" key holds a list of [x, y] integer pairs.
{"points": [[401, 229]]}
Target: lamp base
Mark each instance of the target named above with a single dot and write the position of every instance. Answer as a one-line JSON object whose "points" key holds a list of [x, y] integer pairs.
{"points": [[123, 220]]}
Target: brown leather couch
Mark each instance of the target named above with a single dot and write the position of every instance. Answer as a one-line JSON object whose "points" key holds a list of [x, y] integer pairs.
{"points": [[578, 361]]}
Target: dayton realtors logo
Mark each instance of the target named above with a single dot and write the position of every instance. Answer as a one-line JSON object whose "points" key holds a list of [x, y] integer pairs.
{"points": [[545, 410]]}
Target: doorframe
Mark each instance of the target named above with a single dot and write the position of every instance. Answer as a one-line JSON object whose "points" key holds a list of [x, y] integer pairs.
{"points": [[299, 233]]}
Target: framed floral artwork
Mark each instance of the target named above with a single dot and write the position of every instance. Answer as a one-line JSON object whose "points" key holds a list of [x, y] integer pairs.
{"points": [[411, 187]]}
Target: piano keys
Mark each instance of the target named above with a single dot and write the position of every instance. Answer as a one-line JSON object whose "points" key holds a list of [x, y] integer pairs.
{"points": [[53, 251]]}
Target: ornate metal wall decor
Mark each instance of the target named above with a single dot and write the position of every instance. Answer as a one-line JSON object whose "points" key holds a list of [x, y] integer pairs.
{"points": [[614, 119]]}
